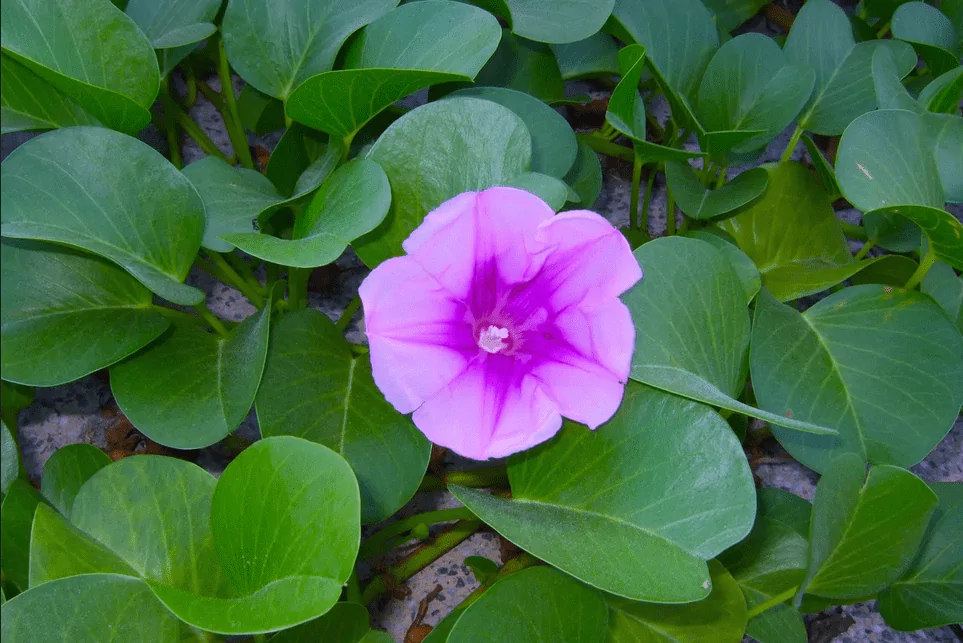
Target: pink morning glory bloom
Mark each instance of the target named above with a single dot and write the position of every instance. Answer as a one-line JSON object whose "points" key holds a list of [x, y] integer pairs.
{"points": [[502, 318]]}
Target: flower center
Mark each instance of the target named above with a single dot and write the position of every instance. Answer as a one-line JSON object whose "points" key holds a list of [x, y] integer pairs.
{"points": [[492, 339]]}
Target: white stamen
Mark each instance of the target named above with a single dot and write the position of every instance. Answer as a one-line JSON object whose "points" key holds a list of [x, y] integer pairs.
{"points": [[492, 339]]}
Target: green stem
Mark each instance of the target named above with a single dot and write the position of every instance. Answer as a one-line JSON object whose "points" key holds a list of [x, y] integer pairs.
{"points": [[170, 125], [864, 250], [353, 589], [883, 30], [928, 260], [195, 132], [607, 147], [644, 215], [669, 213], [179, 315], [298, 287], [721, 179], [778, 599], [793, 142], [418, 560], [348, 314], [234, 279], [191, 81], [213, 97], [259, 638], [378, 543], [235, 129], [855, 232], [211, 320], [245, 271], [634, 197], [481, 478], [607, 131]]}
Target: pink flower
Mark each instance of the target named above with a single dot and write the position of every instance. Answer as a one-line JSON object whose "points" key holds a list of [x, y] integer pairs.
{"points": [[502, 318]]}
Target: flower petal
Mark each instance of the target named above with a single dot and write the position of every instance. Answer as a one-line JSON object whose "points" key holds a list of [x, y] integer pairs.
{"points": [[586, 260], [418, 334], [493, 409], [467, 238]]}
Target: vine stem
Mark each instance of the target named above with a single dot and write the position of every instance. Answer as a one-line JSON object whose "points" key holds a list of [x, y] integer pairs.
{"points": [[232, 119], [348, 314], [179, 315], [669, 213], [793, 142], [212, 321], [855, 232], [646, 201], [481, 478], [353, 588], [232, 278], [634, 198], [778, 599], [298, 287], [419, 559], [608, 148], [170, 125], [928, 260], [869, 245], [378, 543], [195, 132]]}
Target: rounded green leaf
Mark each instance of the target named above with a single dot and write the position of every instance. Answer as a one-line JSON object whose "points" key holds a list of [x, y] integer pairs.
{"points": [[821, 39], [665, 471], [344, 623], [352, 202], [9, 458], [554, 146], [931, 32], [409, 48], [233, 198], [556, 608], [866, 527], [192, 388], [173, 26], [28, 102], [700, 202], [66, 314], [275, 45], [930, 593], [90, 51], [113, 608], [749, 85], [558, 21], [692, 326], [718, 618], [944, 93], [524, 65], [740, 262], [946, 289], [302, 160], [259, 112], [86, 187], [423, 155], [857, 361], [585, 177], [339, 406], [553, 191], [594, 56], [66, 471], [16, 519]]}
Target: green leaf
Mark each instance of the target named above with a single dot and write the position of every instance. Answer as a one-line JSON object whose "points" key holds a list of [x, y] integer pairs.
{"points": [[890, 91], [692, 326], [233, 198], [730, 14], [259, 112], [822, 40], [858, 362], [549, 189], [193, 387], [423, 154], [337, 404], [931, 33], [943, 94], [93, 607], [28, 102], [60, 550], [700, 202], [750, 86], [558, 21], [173, 26], [946, 288], [664, 471], [352, 202], [66, 471], [66, 314], [16, 519], [524, 65], [947, 130], [739, 260], [930, 593], [680, 38], [592, 57], [794, 237], [626, 110], [9, 458], [824, 170], [90, 51], [85, 187], [554, 146], [719, 618], [344, 623], [414, 46], [277, 45], [787, 508], [585, 176], [562, 610], [866, 528], [301, 161]]}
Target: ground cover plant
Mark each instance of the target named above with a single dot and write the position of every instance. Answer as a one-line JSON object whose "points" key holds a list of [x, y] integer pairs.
{"points": [[620, 378]]}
